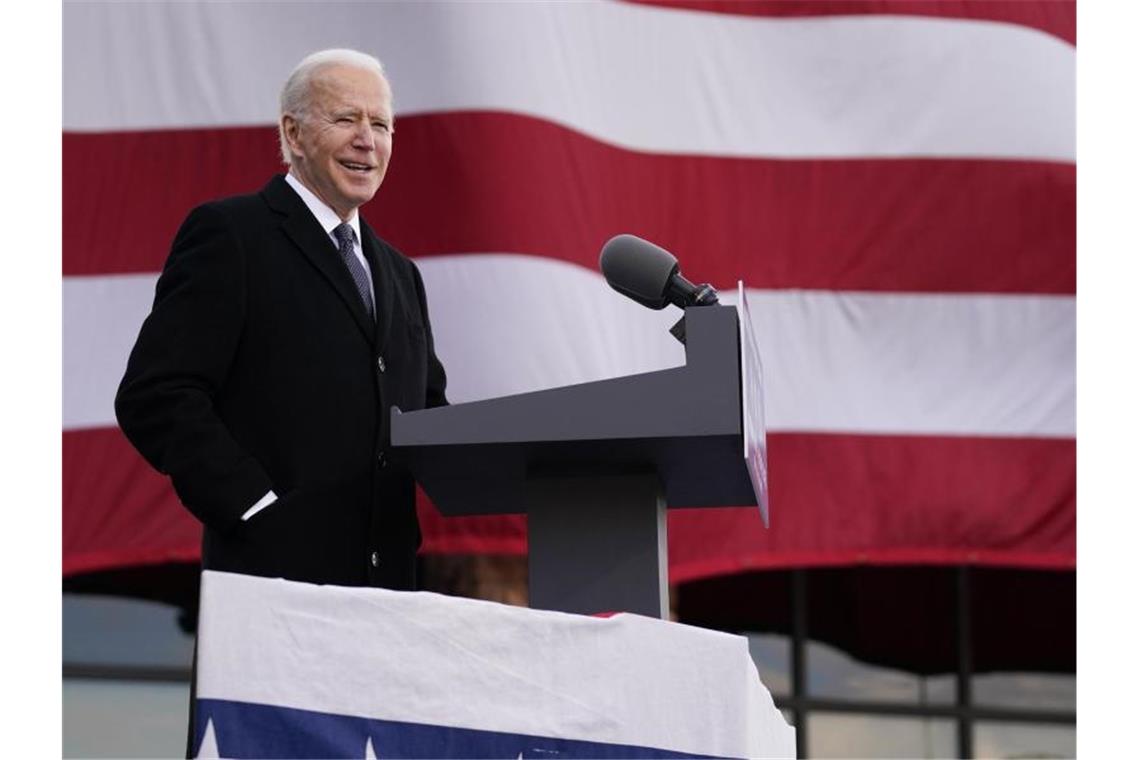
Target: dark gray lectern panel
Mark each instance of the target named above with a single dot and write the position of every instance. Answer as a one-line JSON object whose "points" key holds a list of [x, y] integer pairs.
{"points": [[683, 423], [598, 544], [491, 479]]}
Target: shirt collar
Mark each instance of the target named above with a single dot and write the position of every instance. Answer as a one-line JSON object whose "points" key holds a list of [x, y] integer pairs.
{"points": [[326, 217]]}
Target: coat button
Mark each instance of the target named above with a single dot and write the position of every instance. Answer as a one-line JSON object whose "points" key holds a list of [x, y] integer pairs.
{"points": [[381, 460], [380, 363], [375, 559]]}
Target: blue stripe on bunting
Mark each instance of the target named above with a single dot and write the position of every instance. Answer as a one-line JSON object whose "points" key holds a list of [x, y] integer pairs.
{"points": [[247, 730]]}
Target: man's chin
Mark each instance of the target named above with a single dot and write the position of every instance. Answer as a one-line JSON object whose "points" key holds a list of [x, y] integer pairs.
{"points": [[367, 186], [360, 199], [361, 192]]}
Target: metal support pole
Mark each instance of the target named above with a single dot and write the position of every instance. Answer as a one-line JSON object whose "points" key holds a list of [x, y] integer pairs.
{"points": [[799, 660], [965, 663]]}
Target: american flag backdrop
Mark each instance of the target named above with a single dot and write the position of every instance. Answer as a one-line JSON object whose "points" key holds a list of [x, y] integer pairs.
{"points": [[894, 182]]}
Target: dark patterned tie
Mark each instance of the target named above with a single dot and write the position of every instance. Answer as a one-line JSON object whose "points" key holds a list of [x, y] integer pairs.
{"points": [[344, 236]]}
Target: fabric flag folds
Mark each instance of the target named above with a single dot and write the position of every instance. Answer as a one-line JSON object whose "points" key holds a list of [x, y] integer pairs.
{"points": [[893, 181], [295, 670]]}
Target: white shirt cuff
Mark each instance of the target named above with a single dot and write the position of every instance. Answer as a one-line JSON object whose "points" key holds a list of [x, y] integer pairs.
{"points": [[261, 504]]}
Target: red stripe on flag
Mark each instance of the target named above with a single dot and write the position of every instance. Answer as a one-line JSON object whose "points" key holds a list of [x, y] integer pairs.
{"points": [[860, 499], [836, 499], [851, 499], [117, 511], [1056, 17], [493, 182]]}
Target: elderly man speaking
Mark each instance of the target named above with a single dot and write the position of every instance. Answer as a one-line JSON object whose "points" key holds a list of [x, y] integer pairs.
{"points": [[283, 330]]}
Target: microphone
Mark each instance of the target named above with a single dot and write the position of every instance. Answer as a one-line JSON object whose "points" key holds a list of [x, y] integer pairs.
{"points": [[650, 275]]}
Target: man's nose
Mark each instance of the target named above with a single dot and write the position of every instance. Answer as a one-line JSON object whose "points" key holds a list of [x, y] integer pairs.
{"points": [[364, 138]]}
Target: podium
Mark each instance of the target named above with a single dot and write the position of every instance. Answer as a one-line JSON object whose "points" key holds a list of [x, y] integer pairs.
{"points": [[594, 466]]}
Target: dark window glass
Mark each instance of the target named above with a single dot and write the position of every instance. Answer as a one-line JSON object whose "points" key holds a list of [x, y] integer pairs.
{"points": [[104, 630], [855, 735], [834, 674], [1017, 740], [773, 657], [1033, 691], [124, 718]]}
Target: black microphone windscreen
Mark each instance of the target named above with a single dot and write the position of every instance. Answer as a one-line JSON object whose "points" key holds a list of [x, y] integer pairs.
{"points": [[638, 269]]}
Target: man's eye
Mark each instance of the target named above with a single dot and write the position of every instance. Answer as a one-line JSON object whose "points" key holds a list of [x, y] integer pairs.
{"points": [[344, 120], [380, 126]]}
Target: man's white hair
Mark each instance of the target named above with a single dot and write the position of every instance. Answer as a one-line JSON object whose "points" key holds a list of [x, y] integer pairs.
{"points": [[296, 93]]}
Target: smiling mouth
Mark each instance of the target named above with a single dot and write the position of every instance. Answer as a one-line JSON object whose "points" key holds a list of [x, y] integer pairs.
{"points": [[359, 168]]}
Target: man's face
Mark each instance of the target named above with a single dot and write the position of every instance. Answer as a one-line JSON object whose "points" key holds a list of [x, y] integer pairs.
{"points": [[342, 144]]}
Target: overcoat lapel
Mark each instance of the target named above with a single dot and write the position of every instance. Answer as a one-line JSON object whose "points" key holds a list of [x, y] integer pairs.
{"points": [[303, 229], [382, 285]]}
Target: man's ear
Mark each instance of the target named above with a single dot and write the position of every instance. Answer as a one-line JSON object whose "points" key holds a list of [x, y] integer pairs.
{"points": [[292, 129]]}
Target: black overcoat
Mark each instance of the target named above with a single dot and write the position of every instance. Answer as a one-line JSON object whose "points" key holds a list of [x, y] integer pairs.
{"points": [[258, 368]]}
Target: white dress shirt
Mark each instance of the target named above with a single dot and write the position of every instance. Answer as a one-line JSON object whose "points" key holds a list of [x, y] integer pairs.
{"points": [[329, 221]]}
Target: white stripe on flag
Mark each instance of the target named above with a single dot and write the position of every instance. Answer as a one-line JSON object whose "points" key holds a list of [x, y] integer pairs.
{"points": [[641, 77], [1000, 365]]}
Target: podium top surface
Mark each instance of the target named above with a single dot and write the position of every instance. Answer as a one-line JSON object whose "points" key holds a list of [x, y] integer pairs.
{"points": [[684, 423]]}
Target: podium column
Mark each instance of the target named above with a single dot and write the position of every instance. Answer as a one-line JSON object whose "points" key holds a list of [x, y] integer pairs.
{"points": [[598, 543]]}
